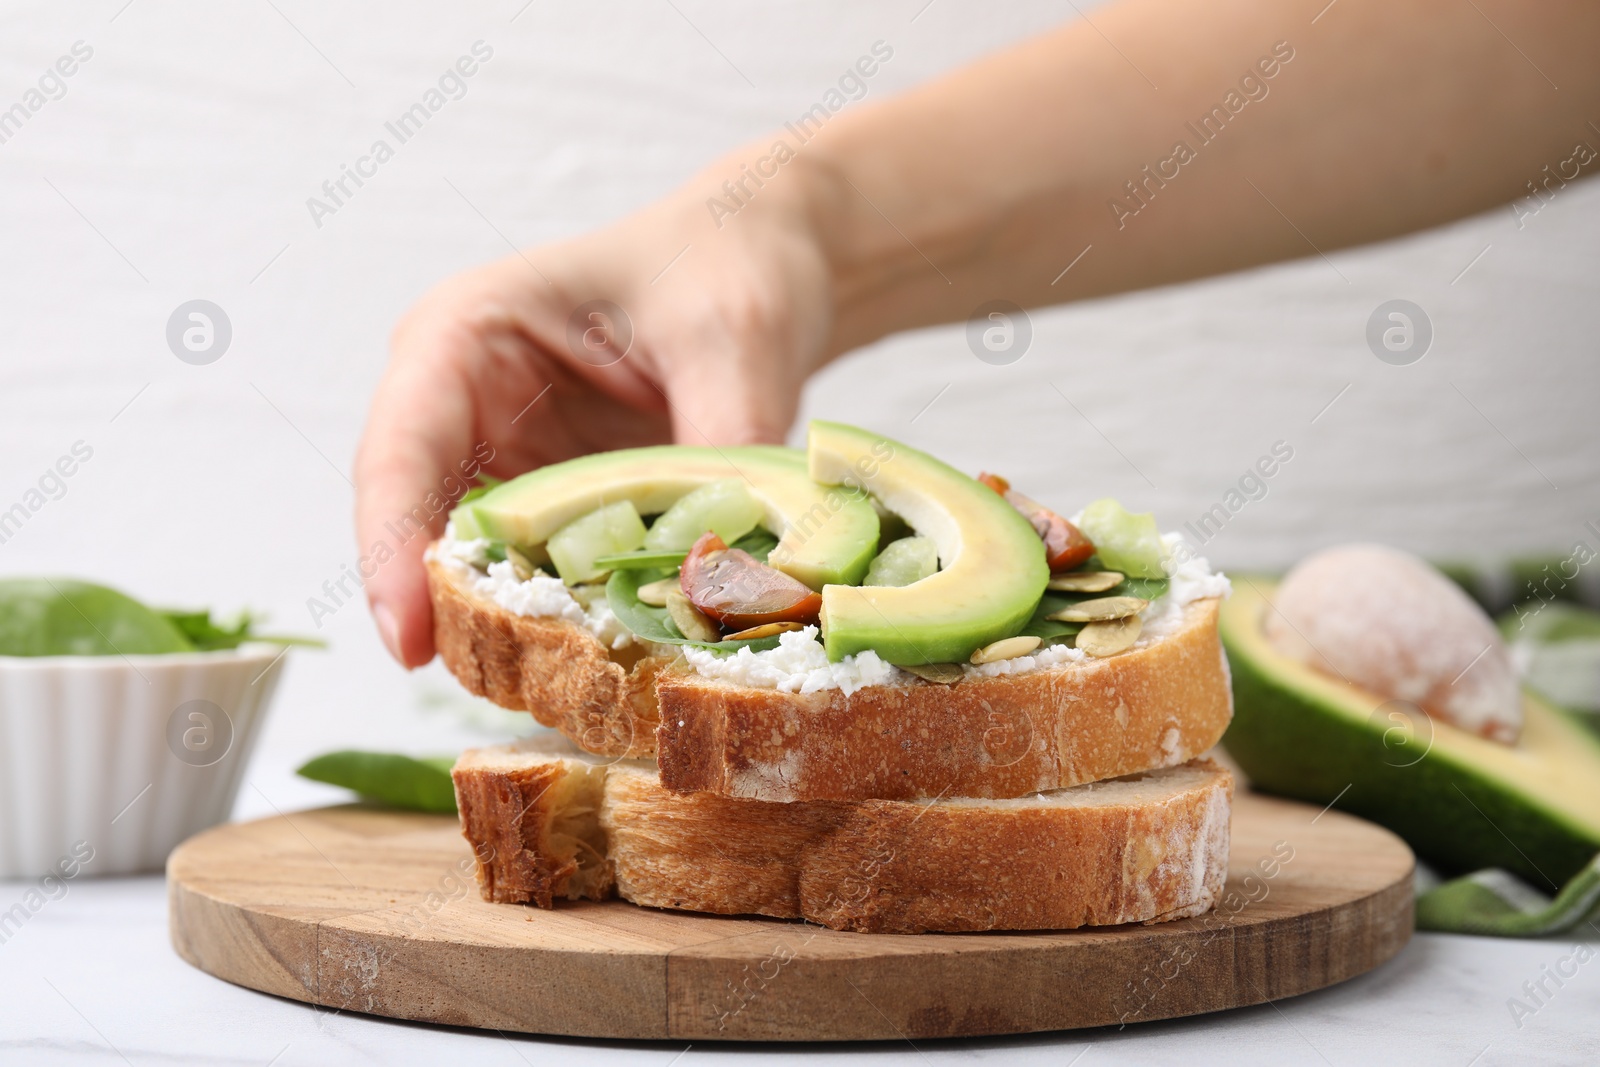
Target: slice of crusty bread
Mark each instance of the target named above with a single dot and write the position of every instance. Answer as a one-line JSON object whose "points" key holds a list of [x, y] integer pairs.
{"points": [[548, 822], [1003, 736], [603, 699]]}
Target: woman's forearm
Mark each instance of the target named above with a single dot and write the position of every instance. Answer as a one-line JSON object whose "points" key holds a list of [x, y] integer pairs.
{"points": [[1161, 140]]}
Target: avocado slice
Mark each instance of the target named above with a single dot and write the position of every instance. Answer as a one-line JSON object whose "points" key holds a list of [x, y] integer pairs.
{"points": [[826, 534], [1462, 802], [994, 568]]}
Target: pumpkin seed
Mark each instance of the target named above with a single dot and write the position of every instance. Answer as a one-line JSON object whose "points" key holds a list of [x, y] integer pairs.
{"points": [[766, 629], [691, 624], [521, 565], [1103, 609], [939, 673], [1005, 648], [655, 593], [1085, 581], [1109, 637]]}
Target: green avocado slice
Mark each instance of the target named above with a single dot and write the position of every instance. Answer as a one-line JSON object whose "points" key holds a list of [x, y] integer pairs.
{"points": [[1462, 802], [993, 562], [827, 534]]}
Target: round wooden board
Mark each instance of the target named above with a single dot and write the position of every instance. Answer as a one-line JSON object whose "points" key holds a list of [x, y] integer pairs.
{"points": [[375, 911]]}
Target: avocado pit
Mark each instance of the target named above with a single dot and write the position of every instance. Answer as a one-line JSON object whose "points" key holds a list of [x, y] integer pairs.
{"points": [[1386, 621]]}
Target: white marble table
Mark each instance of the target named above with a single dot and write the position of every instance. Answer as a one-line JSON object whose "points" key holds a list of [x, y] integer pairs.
{"points": [[91, 979]]}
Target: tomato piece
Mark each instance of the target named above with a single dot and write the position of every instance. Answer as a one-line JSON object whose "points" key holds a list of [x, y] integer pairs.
{"points": [[1065, 546], [995, 482], [739, 591]]}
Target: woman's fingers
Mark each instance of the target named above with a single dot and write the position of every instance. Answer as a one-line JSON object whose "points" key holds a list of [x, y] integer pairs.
{"points": [[714, 402], [511, 367], [728, 366], [415, 457]]}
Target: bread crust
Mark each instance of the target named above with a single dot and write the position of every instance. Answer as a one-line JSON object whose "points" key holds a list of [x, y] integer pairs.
{"points": [[1003, 736], [1148, 848], [508, 816], [557, 671]]}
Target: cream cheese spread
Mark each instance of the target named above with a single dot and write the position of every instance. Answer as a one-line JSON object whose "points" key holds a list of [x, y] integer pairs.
{"points": [[540, 596]]}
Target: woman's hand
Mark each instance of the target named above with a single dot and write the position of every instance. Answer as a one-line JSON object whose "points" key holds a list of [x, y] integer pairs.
{"points": [[708, 336], [991, 183]]}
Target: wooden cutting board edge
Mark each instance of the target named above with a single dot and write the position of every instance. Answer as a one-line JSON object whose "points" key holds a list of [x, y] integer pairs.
{"points": [[356, 909]]}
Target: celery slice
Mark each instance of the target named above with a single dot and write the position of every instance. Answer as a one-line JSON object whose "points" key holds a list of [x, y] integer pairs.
{"points": [[910, 559], [605, 531], [1124, 541], [724, 507]]}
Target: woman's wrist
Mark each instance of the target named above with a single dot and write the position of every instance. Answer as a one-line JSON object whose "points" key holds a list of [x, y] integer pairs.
{"points": [[907, 243], [770, 208], [899, 246], [821, 202]]}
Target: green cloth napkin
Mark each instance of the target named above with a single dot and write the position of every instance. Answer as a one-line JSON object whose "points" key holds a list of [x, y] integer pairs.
{"points": [[1557, 649], [1498, 904]]}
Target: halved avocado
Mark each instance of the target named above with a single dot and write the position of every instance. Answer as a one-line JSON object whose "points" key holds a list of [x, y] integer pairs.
{"points": [[993, 562], [1462, 802], [826, 534]]}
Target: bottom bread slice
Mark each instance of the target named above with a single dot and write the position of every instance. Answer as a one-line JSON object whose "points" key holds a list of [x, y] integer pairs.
{"points": [[547, 822]]}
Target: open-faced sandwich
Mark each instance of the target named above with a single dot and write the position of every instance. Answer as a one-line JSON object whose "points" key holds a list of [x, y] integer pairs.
{"points": [[785, 663]]}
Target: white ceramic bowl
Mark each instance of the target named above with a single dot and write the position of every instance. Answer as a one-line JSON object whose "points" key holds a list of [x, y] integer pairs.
{"points": [[113, 760]]}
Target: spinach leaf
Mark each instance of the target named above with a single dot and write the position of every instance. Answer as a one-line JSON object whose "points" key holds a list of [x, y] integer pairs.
{"points": [[758, 542], [409, 782], [62, 617], [1039, 626], [643, 559], [485, 483], [208, 635], [653, 624], [203, 633]]}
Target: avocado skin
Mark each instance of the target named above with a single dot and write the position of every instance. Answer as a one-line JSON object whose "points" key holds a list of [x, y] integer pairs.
{"points": [[1456, 816]]}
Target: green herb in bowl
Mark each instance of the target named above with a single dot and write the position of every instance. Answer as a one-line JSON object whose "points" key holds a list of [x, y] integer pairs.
{"points": [[103, 700], [68, 617]]}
